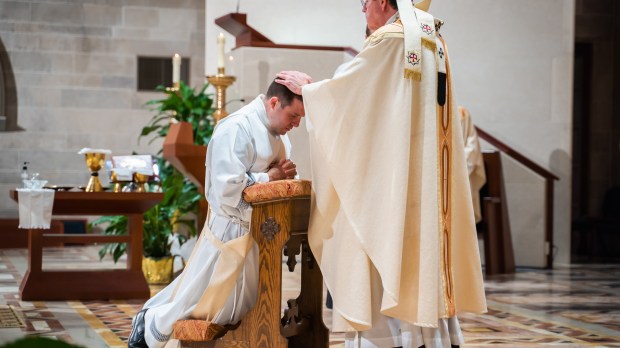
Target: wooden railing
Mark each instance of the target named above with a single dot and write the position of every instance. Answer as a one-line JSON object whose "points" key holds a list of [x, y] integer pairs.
{"points": [[545, 174]]}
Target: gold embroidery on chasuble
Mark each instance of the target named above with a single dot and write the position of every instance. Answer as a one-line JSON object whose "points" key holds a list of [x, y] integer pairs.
{"points": [[394, 30], [444, 151]]}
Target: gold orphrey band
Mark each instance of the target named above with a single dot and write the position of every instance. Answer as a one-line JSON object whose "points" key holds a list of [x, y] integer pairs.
{"points": [[444, 143]]}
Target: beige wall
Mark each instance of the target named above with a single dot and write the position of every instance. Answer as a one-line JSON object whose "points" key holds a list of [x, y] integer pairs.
{"points": [[512, 63]]}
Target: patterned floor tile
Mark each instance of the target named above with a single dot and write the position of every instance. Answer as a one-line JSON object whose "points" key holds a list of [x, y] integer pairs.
{"points": [[577, 306]]}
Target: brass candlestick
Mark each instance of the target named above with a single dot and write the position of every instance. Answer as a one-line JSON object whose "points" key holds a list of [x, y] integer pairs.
{"points": [[221, 81], [176, 86]]}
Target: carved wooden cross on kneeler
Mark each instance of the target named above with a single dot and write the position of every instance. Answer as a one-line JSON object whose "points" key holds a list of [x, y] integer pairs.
{"points": [[279, 226]]}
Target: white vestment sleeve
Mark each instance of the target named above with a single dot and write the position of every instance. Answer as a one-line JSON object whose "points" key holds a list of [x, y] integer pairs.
{"points": [[259, 177], [231, 153]]}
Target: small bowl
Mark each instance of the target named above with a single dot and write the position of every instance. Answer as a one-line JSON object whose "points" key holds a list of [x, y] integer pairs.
{"points": [[34, 184]]}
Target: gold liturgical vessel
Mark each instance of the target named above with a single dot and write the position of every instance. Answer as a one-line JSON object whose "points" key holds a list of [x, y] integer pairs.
{"points": [[94, 162], [117, 184], [140, 180]]}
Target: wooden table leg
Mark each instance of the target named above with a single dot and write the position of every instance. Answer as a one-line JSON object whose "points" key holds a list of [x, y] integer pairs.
{"points": [[35, 261], [134, 250], [35, 250]]}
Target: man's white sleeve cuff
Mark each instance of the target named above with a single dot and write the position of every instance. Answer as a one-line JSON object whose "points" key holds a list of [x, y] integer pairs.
{"points": [[260, 177]]}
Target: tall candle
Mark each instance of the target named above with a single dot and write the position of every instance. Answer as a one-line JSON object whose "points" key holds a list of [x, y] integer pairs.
{"points": [[220, 57], [176, 68]]}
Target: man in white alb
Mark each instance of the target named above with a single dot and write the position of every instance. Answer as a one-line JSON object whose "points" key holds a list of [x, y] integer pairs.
{"points": [[219, 283]]}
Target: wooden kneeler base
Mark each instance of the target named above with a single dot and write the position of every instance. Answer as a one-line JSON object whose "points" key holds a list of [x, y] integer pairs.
{"points": [[200, 330]]}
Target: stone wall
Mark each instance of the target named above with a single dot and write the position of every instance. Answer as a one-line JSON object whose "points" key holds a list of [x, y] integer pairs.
{"points": [[75, 68]]}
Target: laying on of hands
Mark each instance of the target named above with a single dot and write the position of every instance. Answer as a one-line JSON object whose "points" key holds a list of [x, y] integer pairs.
{"points": [[293, 80]]}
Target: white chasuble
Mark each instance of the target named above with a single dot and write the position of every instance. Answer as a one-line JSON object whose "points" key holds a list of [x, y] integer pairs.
{"points": [[389, 192], [219, 283]]}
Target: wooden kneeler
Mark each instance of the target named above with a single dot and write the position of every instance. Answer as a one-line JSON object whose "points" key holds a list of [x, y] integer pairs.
{"points": [[279, 226]]}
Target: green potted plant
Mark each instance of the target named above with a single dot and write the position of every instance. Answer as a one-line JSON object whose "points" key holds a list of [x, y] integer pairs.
{"points": [[184, 105], [181, 197]]}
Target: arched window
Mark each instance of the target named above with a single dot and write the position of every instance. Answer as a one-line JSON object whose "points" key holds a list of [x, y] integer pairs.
{"points": [[8, 93]]}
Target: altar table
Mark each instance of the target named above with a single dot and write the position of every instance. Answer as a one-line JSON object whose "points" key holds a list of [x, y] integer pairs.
{"points": [[99, 284]]}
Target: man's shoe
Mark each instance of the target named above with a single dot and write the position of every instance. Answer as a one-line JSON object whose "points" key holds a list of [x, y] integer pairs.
{"points": [[136, 337]]}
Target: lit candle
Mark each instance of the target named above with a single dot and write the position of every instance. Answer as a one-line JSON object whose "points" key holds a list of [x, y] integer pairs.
{"points": [[176, 68], [220, 56]]}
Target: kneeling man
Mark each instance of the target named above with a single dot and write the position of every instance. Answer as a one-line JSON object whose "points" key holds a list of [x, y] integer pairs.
{"points": [[219, 283]]}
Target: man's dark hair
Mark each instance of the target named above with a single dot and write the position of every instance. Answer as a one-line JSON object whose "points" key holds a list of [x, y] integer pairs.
{"points": [[283, 93], [392, 4]]}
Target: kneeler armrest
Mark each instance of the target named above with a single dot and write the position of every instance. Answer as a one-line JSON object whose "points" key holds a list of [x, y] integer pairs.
{"points": [[193, 330], [274, 190]]}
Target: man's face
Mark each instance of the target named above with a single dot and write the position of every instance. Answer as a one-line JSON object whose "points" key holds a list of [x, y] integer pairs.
{"points": [[283, 119], [374, 14]]}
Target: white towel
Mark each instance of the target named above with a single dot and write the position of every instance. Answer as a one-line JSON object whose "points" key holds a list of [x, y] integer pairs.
{"points": [[35, 208]]}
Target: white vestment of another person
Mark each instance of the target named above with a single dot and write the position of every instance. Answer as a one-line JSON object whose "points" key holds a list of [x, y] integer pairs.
{"points": [[475, 161], [219, 283], [392, 224]]}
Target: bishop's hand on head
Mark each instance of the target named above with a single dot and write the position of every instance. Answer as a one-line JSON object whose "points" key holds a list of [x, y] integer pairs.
{"points": [[294, 80]]}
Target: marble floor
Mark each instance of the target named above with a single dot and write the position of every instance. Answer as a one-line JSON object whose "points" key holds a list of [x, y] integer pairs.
{"points": [[577, 306]]}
